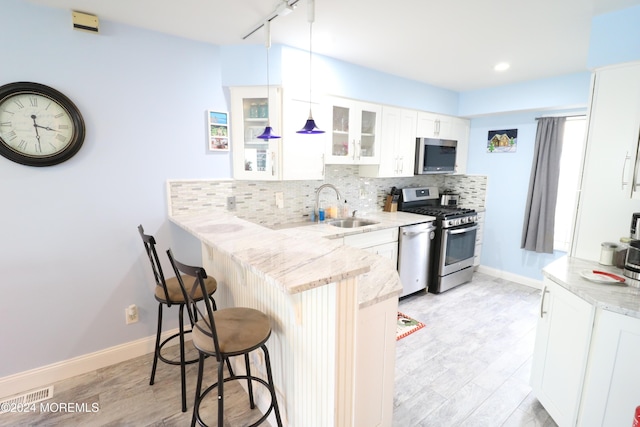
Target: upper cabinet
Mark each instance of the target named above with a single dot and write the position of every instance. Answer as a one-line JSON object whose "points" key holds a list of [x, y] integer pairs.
{"points": [[397, 144], [303, 154], [461, 134], [354, 134], [255, 158], [293, 156], [432, 125], [611, 167]]}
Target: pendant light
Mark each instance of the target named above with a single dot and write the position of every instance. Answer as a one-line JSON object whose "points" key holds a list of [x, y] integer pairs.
{"points": [[268, 131], [310, 126]]}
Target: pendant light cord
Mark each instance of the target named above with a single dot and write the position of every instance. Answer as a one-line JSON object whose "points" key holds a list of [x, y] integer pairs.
{"points": [[310, 55]]}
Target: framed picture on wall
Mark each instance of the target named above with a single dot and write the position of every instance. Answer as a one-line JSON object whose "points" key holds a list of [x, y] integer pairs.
{"points": [[218, 130], [502, 141]]}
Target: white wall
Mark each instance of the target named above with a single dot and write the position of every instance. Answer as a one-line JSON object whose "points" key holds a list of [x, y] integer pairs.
{"points": [[71, 258]]}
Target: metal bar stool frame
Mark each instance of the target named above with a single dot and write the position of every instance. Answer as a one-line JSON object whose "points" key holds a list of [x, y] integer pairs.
{"points": [[208, 341], [166, 299]]}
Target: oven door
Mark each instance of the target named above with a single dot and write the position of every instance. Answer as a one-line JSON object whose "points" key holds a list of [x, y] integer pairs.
{"points": [[458, 248]]}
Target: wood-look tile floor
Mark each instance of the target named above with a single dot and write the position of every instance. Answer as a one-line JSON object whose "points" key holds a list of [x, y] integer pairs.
{"points": [[469, 366]]}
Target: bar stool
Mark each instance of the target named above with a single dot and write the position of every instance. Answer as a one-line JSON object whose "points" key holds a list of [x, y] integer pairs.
{"points": [[222, 334], [168, 292]]}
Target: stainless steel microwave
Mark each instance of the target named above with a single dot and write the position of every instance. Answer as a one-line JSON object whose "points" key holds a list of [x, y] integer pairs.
{"points": [[435, 156]]}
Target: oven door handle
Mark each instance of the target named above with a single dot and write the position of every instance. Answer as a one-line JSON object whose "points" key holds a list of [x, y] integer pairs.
{"points": [[462, 230]]}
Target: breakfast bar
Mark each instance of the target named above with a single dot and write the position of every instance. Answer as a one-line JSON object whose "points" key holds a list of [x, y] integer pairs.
{"points": [[333, 310]]}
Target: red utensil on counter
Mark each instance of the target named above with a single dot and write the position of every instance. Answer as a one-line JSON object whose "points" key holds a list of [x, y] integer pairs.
{"points": [[611, 275]]}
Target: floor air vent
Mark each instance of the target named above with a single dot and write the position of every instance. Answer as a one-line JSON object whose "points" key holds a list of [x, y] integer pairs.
{"points": [[34, 396]]}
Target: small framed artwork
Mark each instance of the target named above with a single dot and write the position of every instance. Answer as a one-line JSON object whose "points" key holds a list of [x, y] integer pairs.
{"points": [[502, 141], [218, 131]]}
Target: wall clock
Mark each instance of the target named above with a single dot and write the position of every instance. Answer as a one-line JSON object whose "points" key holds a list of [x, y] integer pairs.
{"points": [[39, 126]]}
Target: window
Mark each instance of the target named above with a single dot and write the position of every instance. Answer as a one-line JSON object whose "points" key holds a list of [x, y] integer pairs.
{"points": [[570, 169]]}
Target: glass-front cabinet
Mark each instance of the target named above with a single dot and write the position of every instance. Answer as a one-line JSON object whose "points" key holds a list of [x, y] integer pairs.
{"points": [[251, 108], [355, 130]]}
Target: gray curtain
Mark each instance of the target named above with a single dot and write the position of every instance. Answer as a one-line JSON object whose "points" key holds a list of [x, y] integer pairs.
{"points": [[539, 215]]}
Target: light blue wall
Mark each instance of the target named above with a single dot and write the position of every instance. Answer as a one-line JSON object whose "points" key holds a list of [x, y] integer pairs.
{"points": [[71, 258], [243, 65], [561, 92], [615, 38], [507, 187]]}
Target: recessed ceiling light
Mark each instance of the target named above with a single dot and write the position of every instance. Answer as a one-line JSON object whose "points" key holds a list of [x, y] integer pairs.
{"points": [[501, 66]]}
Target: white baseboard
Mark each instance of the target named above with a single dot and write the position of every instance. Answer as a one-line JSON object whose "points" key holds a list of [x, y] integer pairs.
{"points": [[527, 281], [47, 375]]}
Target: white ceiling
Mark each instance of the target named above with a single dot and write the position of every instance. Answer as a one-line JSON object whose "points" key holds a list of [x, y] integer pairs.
{"points": [[452, 44]]}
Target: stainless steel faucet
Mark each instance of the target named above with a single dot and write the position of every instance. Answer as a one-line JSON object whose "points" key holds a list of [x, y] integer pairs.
{"points": [[315, 208]]}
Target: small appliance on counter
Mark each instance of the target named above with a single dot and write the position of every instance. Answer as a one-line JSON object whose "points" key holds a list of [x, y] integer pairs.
{"points": [[634, 232], [632, 258], [449, 198], [632, 261]]}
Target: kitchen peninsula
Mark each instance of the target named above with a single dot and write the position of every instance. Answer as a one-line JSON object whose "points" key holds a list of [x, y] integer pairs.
{"points": [[333, 310]]}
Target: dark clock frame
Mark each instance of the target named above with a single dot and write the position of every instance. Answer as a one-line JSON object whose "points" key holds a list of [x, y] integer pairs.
{"points": [[78, 125]]}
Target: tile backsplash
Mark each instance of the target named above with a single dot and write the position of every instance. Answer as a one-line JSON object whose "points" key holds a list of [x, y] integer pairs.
{"points": [[256, 202]]}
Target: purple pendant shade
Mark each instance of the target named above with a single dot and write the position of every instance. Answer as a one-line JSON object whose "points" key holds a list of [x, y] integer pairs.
{"points": [[310, 127], [268, 134]]}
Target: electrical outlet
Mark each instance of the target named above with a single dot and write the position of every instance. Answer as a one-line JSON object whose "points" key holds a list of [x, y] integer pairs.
{"points": [[231, 203], [131, 314], [280, 200]]}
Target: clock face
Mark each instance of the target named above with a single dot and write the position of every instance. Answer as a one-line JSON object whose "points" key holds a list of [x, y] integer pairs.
{"points": [[38, 125]]}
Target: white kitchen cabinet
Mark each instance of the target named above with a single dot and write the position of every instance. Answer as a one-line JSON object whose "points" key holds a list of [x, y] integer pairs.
{"points": [[432, 125], [559, 361], [397, 144], [376, 353], [461, 134], [611, 387], [255, 158], [382, 242], [355, 132], [302, 154], [479, 236], [611, 155]]}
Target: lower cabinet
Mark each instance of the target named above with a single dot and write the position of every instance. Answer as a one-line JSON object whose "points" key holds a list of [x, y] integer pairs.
{"points": [[381, 242], [375, 341], [612, 385], [561, 349], [375, 375]]}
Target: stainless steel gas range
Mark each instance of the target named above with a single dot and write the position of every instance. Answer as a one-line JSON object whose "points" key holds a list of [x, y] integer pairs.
{"points": [[455, 237]]}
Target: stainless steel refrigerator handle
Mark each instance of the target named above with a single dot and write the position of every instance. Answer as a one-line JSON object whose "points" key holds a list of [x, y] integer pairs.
{"points": [[544, 291], [462, 230]]}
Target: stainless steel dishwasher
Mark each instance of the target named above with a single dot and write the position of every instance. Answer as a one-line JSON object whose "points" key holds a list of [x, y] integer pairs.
{"points": [[414, 256]]}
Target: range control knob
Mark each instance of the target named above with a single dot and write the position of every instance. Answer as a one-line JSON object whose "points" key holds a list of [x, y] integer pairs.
{"points": [[464, 220]]}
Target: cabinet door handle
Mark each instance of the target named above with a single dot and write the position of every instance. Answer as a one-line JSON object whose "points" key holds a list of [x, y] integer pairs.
{"points": [[544, 291], [627, 158], [359, 148], [401, 164], [273, 163], [323, 165], [354, 148]]}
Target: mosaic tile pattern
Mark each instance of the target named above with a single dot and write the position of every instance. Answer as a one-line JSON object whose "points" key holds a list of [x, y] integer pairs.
{"points": [[255, 200]]}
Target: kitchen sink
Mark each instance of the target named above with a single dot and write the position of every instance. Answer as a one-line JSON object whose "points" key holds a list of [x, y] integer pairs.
{"points": [[351, 222]]}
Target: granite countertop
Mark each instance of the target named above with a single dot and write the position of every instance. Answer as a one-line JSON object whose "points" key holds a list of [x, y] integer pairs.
{"points": [[304, 256], [619, 298]]}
